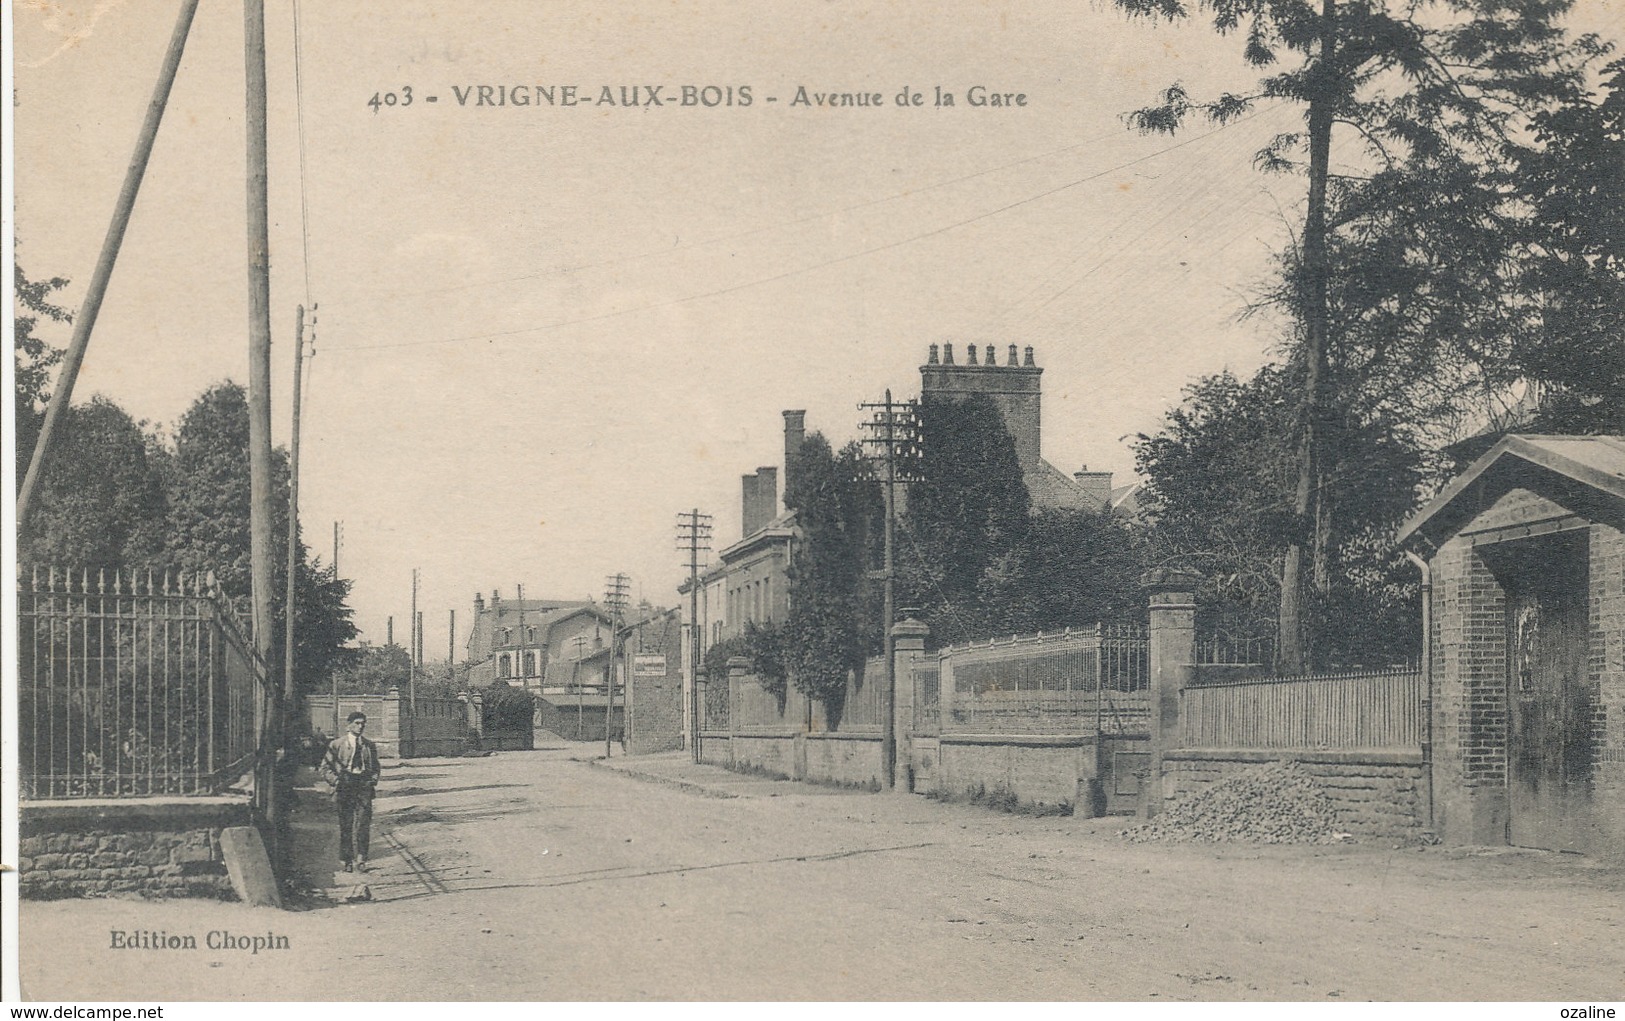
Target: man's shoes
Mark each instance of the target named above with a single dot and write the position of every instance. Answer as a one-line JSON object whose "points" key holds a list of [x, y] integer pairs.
{"points": [[361, 865], [349, 867]]}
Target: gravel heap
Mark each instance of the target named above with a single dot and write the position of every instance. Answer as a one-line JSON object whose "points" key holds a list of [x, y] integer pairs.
{"points": [[1280, 803]]}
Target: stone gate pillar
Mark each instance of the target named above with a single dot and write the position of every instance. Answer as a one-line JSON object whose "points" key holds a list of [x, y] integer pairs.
{"points": [[1170, 651], [738, 666], [908, 645]]}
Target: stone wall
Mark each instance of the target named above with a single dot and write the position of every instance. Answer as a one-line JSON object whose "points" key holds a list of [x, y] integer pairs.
{"points": [[166, 847], [1043, 773], [655, 716], [774, 754], [441, 726], [850, 760], [1377, 794], [571, 722]]}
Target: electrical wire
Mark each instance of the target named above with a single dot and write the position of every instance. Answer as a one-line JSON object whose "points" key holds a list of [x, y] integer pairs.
{"points": [[733, 288]]}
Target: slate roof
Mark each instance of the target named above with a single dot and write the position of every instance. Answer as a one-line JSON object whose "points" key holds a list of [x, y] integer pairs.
{"points": [[1594, 461]]}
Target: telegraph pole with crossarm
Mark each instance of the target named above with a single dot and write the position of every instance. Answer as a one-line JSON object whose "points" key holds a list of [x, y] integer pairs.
{"points": [[617, 588], [694, 538], [893, 441]]}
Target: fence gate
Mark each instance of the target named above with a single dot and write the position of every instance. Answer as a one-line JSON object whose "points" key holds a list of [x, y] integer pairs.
{"points": [[1550, 741]]}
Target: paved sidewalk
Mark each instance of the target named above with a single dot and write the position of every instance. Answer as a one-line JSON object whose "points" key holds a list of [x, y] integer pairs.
{"points": [[678, 769]]}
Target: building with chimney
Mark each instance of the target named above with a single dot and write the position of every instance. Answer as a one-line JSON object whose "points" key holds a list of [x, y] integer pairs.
{"points": [[1015, 389], [531, 643], [751, 581]]}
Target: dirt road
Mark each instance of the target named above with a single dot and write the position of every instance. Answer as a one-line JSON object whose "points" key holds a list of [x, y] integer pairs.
{"points": [[535, 876]]}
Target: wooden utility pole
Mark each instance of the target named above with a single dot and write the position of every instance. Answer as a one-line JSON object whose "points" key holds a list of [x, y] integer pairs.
{"points": [[290, 603], [896, 428], [616, 588], [888, 697], [693, 536], [519, 664], [99, 277], [575, 676], [259, 339], [451, 646], [411, 652]]}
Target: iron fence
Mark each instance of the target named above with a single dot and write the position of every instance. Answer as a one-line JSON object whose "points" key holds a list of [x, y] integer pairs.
{"points": [[1235, 650], [1377, 709], [133, 686], [1076, 682], [863, 708], [927, 675]]}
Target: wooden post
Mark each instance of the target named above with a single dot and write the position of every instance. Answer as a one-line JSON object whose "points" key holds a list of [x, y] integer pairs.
{"points": [[291, 603], [259, 403], [99, 277]]}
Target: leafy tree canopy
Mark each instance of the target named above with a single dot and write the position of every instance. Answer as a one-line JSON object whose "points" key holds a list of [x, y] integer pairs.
{"points": [[33, 358], [1219, 497]]}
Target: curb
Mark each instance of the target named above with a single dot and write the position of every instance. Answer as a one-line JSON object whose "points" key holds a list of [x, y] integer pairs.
{"points": [[666, 781]]}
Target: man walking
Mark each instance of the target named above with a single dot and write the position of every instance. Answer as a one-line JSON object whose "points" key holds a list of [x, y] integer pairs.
{"points": [[351, 766]]}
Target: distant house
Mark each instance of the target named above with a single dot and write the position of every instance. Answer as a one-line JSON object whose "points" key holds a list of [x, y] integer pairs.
{"points": [[530, 643], [645, 699], [1015, 389]]}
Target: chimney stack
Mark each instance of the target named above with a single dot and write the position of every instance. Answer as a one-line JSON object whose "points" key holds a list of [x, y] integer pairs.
{"points": [[1097, 487], [947, 354], [932, 359], [479, 602], [1029, 362], [795, 431], [760, 500], [990, 359], [767, 494], [1013, 363]]}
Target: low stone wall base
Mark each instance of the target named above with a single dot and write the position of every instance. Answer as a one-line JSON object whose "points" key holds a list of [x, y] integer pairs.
{"points": [[161, 847], [1377, 794]]}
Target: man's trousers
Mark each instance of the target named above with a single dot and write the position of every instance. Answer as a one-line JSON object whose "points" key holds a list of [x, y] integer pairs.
{"points": [[354, 800]]}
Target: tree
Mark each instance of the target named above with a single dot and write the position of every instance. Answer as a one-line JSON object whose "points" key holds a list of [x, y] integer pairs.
{"points": [[1572, 183], [1080, 567], [208, 529], [374, 669], [966, 529], [1431, 88], [33, 359], [1219, 477], [100, 504], [832, 622]]}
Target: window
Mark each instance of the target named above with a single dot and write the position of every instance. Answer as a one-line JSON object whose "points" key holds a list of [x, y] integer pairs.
{"points": [[504, 666], [530, 664]]}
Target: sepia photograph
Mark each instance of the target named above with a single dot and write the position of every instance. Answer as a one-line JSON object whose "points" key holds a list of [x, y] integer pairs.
{"points": [[1117, 501]]}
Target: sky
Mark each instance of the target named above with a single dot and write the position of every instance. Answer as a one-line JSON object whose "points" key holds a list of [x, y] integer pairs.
{"points": [[542, 331]]}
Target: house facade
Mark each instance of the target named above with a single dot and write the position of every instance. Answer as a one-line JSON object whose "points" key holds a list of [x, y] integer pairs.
{"points": [[751, 581], [530, 643]]}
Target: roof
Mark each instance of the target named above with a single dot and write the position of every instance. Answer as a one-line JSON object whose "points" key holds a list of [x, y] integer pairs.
{"points": [[1594, 461], [1049, 486], [781, 527], [1124, 501]]}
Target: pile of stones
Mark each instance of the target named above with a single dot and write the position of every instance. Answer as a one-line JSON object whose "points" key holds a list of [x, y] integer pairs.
{"points": [[1279, 803]]}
